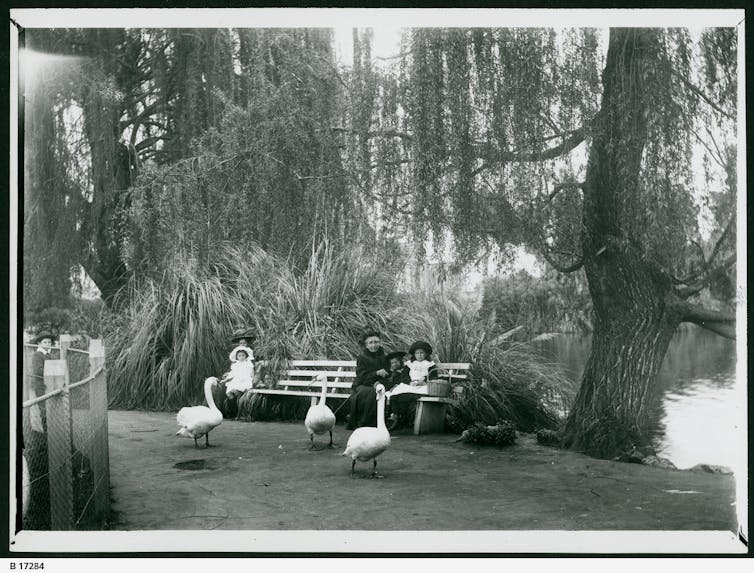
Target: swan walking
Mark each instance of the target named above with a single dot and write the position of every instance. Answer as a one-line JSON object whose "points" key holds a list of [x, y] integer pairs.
{"points": [[320, 419], [198, 421], [366, 443]]}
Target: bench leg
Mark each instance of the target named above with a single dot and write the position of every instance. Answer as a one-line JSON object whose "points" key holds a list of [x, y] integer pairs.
{"points": [[430, 418]]}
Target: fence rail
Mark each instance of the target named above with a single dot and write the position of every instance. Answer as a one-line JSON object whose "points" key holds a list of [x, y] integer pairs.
{"points": [[66, 471]]}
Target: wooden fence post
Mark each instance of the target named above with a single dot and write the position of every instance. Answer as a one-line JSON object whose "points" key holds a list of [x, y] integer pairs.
{"points": [[65, 344], [59, 446], [100, 459]]}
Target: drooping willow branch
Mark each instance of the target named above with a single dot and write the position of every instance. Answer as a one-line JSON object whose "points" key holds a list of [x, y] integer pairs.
{"points": [[695, 282], [692, 289], [699, 93]]}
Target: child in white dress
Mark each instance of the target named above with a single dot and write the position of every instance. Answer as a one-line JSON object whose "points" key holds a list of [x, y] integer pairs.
{"points": [[421, 369], [241, 375]]}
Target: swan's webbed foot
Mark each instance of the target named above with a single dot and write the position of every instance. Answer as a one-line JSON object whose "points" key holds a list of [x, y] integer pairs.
{"points": [[353, 467], [374, 470], [331, 444], [206, 441]]}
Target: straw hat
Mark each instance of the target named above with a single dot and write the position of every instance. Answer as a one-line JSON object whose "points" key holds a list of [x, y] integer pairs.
{"points": [[239, 335]]}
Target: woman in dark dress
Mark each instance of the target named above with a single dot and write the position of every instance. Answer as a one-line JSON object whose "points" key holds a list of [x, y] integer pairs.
{"points": [[371, 367]]}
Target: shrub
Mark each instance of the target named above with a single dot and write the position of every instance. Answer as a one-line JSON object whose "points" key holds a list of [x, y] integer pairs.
{"points": [[501, 434]]}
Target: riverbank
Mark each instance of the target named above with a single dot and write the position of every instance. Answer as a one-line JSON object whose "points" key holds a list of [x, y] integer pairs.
{"points": [[261, 475]]}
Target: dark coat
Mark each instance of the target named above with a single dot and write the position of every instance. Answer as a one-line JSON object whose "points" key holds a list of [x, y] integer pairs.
{"points": [[38, 360], [397, 377], [367, 365]]}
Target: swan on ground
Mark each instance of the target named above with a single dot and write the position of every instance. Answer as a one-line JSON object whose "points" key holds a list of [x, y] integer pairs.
{"points": [[366, 443], [198, 421], [320, 418]]}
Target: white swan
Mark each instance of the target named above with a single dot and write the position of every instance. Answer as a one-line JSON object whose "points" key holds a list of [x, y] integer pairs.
{"points": [[319, 418], [198, 421], [367, 443]]}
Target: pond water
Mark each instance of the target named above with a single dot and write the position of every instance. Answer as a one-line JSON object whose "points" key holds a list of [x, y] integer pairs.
{"points": [[695, 407]]}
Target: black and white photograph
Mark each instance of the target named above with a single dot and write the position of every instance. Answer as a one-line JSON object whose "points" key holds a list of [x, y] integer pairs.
{"points": [[378, 281]]}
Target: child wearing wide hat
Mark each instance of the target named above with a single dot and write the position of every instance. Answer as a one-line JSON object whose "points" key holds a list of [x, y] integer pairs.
{"points": [[241, 375], [240, 378], [242, 338], [421, 369]]}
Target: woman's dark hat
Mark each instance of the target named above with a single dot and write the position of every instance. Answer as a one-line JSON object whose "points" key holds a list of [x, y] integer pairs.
{"points": [[420, 344], [397, 354], [42, 335], [248, 335]]}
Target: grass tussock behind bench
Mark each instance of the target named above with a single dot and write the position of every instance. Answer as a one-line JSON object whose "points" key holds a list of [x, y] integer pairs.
{"points": [[174, 332]]}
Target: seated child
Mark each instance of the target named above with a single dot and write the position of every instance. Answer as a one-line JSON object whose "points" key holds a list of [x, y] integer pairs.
{"points": [[241, 375], [246, 347], [397, 378], [398, 373], [421, 369]]}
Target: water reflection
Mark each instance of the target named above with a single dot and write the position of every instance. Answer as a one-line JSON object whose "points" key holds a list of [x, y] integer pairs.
{"points": [[694, 401]]}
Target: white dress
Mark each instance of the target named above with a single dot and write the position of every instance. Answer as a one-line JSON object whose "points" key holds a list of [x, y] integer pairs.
{"points": [[241, 377], [418, 371]]}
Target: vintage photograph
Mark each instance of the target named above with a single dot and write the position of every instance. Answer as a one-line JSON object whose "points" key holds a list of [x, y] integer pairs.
{"points": [[332, 273]]}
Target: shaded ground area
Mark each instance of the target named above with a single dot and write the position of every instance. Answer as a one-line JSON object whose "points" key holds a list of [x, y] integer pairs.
{"points": [[262, 476]]}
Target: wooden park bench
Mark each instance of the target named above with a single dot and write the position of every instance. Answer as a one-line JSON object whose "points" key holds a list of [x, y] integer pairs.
{"points": [[300, 380]]}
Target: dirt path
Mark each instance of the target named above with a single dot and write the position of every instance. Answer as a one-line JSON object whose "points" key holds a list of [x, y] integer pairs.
{"points": [[262, 476]]}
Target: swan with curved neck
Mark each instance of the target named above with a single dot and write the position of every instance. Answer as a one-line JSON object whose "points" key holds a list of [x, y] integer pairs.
{"points": [[198, 421], [367, 443], [319, 418]]}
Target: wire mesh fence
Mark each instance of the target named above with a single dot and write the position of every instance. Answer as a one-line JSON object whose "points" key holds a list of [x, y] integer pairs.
{"points": [[65, 465]]}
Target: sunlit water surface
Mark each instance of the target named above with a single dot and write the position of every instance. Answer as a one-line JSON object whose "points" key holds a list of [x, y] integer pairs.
{"points": [[695, 404]]}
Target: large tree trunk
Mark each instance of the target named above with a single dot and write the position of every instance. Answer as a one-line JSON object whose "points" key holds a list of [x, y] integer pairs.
{"points": [[636, 310], [636, 315]]}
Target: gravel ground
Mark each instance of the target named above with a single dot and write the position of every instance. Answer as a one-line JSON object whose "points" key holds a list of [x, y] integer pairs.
{"points": [[262, 476]]}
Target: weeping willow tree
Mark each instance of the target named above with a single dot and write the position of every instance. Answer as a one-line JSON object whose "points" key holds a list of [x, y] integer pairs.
{"points": [[268, 170], [492, 129], [148, 142]]}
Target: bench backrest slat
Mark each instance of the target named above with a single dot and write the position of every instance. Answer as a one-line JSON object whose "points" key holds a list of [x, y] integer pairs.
{"points": [[299, 393], [328, 373], [322, 363], [313, 385], [453, 366]]}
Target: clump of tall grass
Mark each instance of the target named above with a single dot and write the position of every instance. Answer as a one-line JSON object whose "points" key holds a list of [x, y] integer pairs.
{"points": [[175, 332], [507, 380]]}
